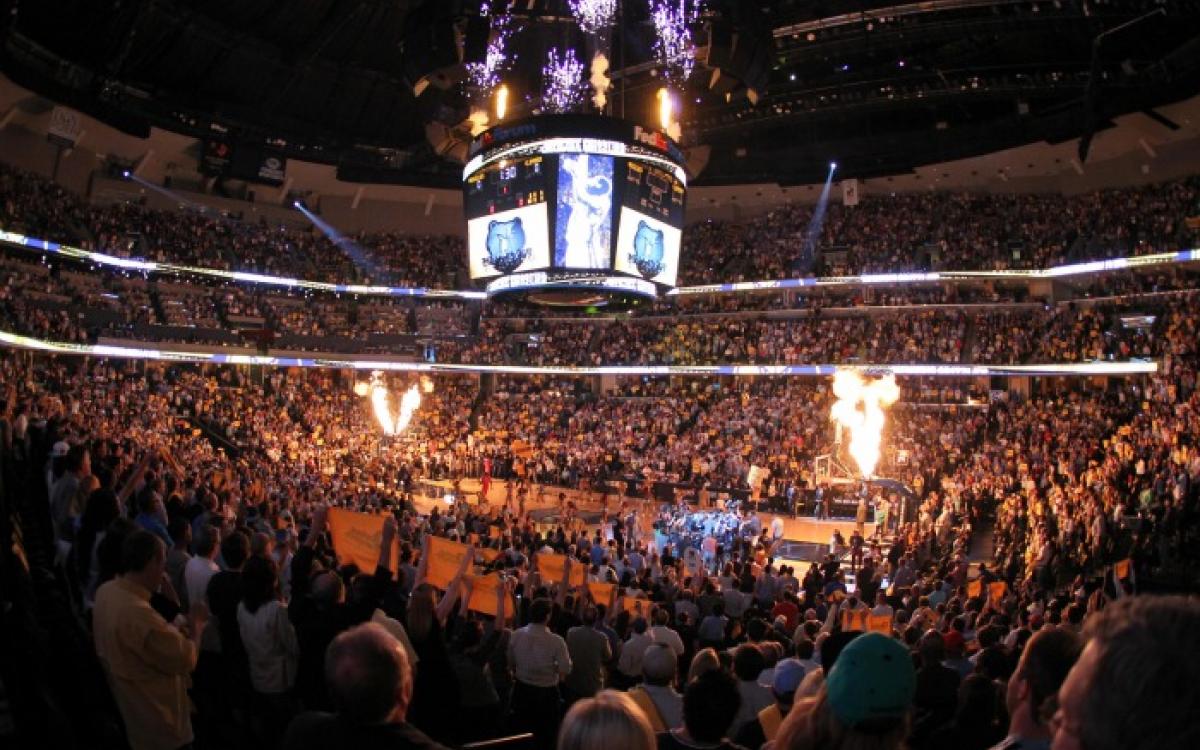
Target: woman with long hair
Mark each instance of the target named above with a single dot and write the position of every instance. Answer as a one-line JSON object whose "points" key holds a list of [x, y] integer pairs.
{"points": [[271, 645], [435, 690]]}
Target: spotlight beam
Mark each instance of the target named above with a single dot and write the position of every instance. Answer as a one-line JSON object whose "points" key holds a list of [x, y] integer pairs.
{"points": [[813, 233], [168, 194], [352, 249]]}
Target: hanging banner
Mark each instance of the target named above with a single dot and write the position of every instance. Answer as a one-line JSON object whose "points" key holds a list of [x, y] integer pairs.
{"points": [[65, 127], [849, 192]]}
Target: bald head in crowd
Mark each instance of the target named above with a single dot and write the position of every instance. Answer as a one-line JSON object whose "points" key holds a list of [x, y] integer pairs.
{"points": [[369, 676]]}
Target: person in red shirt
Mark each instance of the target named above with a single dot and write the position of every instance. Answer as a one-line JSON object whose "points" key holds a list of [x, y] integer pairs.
{"points": [[785, 605]]}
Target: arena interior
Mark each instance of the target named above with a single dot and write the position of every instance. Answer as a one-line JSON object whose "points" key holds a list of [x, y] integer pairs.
{"points": [[584, 374]]}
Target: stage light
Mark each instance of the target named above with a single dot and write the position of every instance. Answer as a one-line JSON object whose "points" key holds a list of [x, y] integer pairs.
{"points": [[125, 173], [501, 101], [295, 204], [832, 165]]}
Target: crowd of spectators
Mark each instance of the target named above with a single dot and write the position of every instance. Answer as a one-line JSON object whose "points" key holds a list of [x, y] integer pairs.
{"points": [[884, 233], [172, 577], [207, 492], [944, 231]]}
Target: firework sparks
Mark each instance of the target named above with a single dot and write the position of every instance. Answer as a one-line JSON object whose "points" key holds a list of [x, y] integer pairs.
{"points": [[485, 75], [595, 16], [562, 78], [673, 45], [860, 408]]}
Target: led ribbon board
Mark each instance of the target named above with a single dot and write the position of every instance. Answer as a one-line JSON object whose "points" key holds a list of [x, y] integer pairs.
{"points": [[151, 267], [1133, 367]]}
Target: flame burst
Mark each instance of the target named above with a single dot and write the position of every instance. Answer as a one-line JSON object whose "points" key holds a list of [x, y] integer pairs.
{"points": [[409, 403], [860, 408]]}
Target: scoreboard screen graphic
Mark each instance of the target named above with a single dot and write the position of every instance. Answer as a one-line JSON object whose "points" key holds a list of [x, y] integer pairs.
{"points": [[571, 202]]}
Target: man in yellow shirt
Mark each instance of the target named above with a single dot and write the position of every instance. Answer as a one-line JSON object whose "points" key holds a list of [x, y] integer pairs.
{"points": [[147, 660]]}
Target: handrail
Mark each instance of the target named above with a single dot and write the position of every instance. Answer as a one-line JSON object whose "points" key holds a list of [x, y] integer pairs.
{"points": [[526, 737]]}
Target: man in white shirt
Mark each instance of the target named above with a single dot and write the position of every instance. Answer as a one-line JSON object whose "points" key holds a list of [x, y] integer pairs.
{"points": [[630, 664], [540, 660], [663, 634], [202, 566]]}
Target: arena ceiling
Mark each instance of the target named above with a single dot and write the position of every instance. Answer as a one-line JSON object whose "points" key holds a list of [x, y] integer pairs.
{"points": [[880, 87]]}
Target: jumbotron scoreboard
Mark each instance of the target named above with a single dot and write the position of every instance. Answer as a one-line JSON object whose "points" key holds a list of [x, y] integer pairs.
{"points": [[574, 210]]}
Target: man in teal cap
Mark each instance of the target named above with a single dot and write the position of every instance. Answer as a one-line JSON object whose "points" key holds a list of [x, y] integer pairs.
{"points": [[870, 688]]}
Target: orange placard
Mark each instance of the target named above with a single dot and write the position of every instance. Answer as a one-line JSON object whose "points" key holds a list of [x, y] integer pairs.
{"points": [[356, 538], [487, 554], [996, 592], [854, 619], [1122, 568], [493, 532], [879, 624], [974, 588], [551, 567], [483, 595], [445, 557], [636, 607], [602, 593]]}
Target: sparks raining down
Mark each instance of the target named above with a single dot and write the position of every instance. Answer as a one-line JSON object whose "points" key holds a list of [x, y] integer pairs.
{"points": [[485, 75], [860, 408], [673, 37], [595, 16], [409, 403], [563, 81]]}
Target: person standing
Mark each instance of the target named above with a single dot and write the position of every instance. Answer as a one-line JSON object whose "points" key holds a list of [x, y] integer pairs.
{"points": [[147, 661], [271, 645], [540, 660], [589, 650]]}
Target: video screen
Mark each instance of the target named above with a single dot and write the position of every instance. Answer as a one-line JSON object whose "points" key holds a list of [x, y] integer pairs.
{"points": [[583, 222], [653, 191], [505, 185], [509, 241], [647, 247], [508, 222]]}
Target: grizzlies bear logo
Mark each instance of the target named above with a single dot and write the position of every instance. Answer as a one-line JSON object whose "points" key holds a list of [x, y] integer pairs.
{"points": [[505, 245], [648, 250]]}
